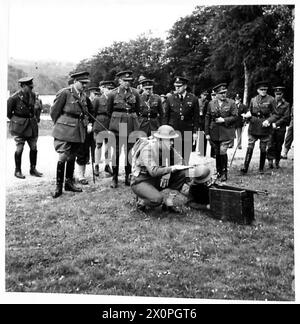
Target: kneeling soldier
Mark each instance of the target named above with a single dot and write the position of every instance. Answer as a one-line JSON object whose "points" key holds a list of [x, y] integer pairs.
{"points": [[151, 175]]}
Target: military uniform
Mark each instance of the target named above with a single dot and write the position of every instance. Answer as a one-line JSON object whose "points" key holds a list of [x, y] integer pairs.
{"points": [[262, 112], [149, 168], [242, 109], [123, 108], [283, 113], [182, 113], [24, 125], [151, 113], [221, 134], [69, 114]]}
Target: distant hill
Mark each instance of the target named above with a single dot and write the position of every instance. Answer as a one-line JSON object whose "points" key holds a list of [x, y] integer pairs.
{"points": [[49, 76]]}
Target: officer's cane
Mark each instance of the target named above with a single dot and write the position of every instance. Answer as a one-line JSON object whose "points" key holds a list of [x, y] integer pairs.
{"points": [[93, 167], [237, 145]]}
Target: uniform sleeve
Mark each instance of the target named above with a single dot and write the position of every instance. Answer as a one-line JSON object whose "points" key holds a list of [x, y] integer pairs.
{"points": [[196, 113], [285, 119], [207, 120], [166, 117], [148, 160], [10, 107], [160, 111], [274, 116], [231, 120], [110, 104], [58, 105]]}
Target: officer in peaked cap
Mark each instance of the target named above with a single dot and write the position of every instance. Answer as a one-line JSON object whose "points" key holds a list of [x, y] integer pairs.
{"points": [[283, 111], [123, 108], [182, 113], [151, 173], [24, 124], [102, 124], [151, 112], [261, 115], [220, 122], [70, 116]]}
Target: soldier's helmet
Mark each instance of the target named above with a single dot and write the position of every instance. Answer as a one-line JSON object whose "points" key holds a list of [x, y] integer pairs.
{"points": [[165, 132], [202, 174]]}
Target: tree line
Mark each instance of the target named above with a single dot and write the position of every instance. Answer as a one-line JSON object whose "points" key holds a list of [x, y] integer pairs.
{"points": [[235, 44]]}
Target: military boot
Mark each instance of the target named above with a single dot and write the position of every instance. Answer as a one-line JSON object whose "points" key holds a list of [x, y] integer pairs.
{"points": [[18, 162], [127, 175], [271, 165], [60, 171], [96, 171], [69, 183], [114, 182], [219, 166], [248, 158], [224, 162], [262, 161], [33, 157]]}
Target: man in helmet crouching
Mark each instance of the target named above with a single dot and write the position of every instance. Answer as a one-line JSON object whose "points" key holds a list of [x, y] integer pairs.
{"points": [[157, 166]]}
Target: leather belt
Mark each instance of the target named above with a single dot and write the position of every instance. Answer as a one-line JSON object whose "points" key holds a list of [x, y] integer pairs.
{"points": [[81, 116], [128, 111]]}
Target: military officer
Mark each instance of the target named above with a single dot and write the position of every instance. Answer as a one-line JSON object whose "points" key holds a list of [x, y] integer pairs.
{"points": [[182, 113], [68, 113], [102, 124], [220, 122], [283, 112], [123, 108], [151, 112], [152, 174], [24, 125], [261, 115]]}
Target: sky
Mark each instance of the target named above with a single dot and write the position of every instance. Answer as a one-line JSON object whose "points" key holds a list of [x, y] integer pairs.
{"points": [[72, 30]]}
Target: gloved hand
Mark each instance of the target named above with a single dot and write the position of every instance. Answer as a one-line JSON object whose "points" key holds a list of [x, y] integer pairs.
{"points": [[220, 120], [89, 128]]}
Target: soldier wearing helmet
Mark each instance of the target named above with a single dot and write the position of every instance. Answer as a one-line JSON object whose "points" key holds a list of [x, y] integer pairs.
{"points": [[152, 172]]}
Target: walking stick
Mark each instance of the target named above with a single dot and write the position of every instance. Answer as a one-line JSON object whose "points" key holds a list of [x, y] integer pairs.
{"points": [[237, 145]]}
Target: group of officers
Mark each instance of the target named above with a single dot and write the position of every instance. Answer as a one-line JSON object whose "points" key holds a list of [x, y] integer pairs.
{"points": [[79, 119]]}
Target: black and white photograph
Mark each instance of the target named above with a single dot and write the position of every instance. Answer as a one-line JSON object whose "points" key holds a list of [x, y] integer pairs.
{"points": [[147, 152]]}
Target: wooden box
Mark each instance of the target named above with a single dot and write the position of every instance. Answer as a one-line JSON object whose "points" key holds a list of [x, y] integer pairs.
{"points": [[232, 204]]}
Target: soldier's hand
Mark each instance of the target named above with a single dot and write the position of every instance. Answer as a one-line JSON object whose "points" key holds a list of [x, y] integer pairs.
{"points": [[208, 137], [274, 126], [266, 123], [247, 115], [220, 120], [164, 182]]}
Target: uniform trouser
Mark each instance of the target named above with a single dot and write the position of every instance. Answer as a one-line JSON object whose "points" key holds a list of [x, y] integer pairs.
{"points": [[220, 148], [289, 137], [239, 131], [83, 154], [98, 145], [263, 142], [186, 147], [66, 150], [20, 142], [120, 142], [275, 144], [149, 190]]}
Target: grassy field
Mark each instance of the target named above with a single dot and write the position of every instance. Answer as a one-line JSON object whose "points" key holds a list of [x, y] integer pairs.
{"points": [[96, 242]]}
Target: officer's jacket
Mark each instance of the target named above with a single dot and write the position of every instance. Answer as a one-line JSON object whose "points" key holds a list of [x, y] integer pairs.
{"points": [[151, 113], [242, 109], [150, 162], [22, 115], [227, 110], [182, 115], [283, 111], [262, 108], [100, 105], [69, 114], [123, 107]]}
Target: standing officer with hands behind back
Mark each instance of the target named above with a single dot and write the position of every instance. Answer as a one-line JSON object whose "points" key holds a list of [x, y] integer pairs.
{"points": [[24, 125], [69, 114]]}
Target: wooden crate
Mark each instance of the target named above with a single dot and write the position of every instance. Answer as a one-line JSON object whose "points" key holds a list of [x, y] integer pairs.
{"points": [[232, 204]]}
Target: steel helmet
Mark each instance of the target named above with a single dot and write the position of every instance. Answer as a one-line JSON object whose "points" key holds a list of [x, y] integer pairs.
{"points": [[165, 132], [202, 174]]}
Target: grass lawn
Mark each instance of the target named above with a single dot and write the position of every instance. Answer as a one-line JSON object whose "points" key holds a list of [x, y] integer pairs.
{"points": [[96, 242]]}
